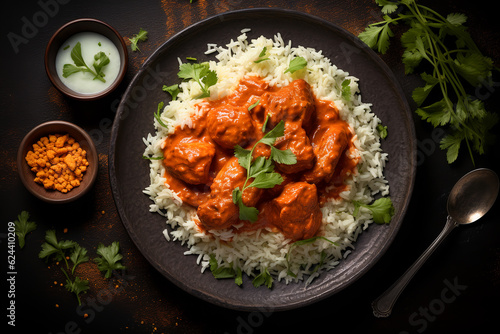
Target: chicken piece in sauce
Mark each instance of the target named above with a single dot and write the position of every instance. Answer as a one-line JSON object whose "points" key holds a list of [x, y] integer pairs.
{"points": [[219, 211], [329, 143], [296, 140], [294, 103], [329, 140], [189, 161], [295, 212], [230, 125]]}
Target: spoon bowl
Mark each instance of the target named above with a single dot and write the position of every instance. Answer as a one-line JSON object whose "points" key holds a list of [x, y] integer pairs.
{"points": [[471, 197]]}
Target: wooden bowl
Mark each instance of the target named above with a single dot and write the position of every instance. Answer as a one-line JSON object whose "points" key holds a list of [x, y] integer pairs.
{"points": [[28, 176], [70, 29]]}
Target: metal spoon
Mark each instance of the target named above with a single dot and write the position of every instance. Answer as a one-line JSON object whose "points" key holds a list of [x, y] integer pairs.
{"points": [[471, 197]]}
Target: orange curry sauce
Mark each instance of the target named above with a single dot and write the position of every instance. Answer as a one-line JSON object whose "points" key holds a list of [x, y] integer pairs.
{"points": [[202, 169]]}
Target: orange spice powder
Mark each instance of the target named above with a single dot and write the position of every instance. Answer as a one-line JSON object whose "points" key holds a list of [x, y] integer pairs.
{"points": [[58, 162]]}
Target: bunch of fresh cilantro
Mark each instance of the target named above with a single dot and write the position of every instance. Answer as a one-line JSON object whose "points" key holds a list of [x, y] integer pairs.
{"points": [[454, 59]]}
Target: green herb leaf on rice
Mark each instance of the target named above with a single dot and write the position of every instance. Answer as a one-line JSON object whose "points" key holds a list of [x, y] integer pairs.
{"points": [[264, 278], [158, 113], [224, 271], [262, 56], [296, 64], [382, 210], [346, 89], [201, 73]]}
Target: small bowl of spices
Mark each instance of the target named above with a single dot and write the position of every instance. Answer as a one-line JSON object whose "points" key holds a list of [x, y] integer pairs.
{"points": [[86, 59], [57, 162]]}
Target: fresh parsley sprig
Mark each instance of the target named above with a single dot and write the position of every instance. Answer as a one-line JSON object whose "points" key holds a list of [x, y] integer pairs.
{"points": [[261, 169], [221, 272], [346, 89], [296, 64], [54, 248], [201, 73], [452, 67], [100, 60], [173, 90], [382, 210], [158, 113], [139, 37], [263, 278], [76, 286], [23, 227], [78, 256], [109, 259]]}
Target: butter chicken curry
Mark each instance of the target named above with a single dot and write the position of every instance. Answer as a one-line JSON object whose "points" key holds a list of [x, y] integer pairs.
{"points": [[202, 170]]}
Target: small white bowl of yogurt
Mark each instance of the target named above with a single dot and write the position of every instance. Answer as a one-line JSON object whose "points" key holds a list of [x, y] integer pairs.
{"points": [[86, 59]]}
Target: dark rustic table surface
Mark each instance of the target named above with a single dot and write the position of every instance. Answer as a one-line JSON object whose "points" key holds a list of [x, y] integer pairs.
{"points": [[457, 290]]}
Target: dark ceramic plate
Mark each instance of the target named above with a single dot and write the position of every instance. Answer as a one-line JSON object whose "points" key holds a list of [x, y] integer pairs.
{"points": [[134, 120]]}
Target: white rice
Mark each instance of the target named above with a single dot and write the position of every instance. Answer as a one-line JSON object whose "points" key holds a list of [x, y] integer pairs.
{"points": [[258, 250]]}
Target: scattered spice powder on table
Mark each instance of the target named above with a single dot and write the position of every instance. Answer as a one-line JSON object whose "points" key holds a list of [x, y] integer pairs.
{"points": [[58, 161]]}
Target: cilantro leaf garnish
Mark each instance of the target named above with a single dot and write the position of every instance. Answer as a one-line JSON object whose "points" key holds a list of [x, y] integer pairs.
{"points": [[253, 105], [77, 286], [261, 169], [382, 210], [140, 37], [23, 227], [201, 73], [53, 247], [100, 60], [346, 89], [296, 64], [173, 90], [456, 62], [264, 278], [109, 259], [153, 158], [382, 131], [220, 272], [157, 115], [262, 56], [78, 256]]}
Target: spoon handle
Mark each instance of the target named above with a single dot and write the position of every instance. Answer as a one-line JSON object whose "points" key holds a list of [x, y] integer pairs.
{"points": [[382, 306]]}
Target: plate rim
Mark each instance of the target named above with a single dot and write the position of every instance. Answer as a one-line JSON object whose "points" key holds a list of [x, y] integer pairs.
{"points": [[212, 298]]}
